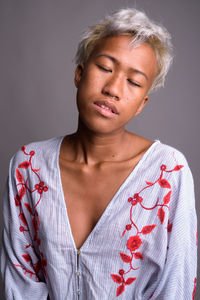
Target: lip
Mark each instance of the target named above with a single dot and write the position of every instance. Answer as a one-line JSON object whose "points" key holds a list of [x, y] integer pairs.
{"points": [[107, 104]]}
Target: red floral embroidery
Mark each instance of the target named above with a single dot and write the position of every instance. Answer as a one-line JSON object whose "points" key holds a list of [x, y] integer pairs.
{"points": [[194, 290], [169, 227], [135, 242], [23, 189]]}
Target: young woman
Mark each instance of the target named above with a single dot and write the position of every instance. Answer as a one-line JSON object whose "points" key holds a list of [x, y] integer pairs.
{"points": [[104, 213]]}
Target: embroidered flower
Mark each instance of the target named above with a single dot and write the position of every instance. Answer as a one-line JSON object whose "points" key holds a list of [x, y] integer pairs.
{"points": [[121, 272], [41, 188], [134, 242], [135, 199], [163, 167], [128, 227]]}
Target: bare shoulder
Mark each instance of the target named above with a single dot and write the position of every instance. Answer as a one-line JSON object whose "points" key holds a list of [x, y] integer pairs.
{"points": [[139, 144]]}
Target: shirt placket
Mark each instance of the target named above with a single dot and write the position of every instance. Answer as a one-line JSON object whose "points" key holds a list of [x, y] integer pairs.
{"points": [[78, 274]]}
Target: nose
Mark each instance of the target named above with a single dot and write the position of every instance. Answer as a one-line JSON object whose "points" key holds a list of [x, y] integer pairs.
{"points": [[114, 87]]}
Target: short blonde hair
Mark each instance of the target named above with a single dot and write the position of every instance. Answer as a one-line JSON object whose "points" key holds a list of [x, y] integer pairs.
{"points": [[130, 21]]}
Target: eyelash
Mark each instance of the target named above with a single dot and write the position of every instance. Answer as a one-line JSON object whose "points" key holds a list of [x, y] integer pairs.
{"points": [[104, 69], [134, 83], [107, 70]]}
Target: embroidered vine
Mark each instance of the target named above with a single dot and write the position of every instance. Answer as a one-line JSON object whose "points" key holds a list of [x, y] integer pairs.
{"points": [[134, 242], [194, 290], [23, 188]]}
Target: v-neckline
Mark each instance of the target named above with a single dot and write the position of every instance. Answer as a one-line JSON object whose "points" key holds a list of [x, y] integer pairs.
{"points": [[106, 210]]}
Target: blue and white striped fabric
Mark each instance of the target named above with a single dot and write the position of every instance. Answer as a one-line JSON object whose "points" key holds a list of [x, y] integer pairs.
{"points": [[144, 246]]}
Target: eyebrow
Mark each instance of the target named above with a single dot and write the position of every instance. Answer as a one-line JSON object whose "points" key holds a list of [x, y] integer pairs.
{"points": [[118, 63]]}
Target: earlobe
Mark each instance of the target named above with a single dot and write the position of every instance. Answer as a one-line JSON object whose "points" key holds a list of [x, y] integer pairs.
{"points": [[78, 74], [142, 105]]}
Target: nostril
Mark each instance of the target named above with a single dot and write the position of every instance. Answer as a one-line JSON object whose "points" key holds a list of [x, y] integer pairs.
{"points": [[107, 93]]}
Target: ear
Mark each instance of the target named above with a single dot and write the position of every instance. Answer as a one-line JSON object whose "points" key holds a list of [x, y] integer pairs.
{"points": [[78, 74], [142, 105]]}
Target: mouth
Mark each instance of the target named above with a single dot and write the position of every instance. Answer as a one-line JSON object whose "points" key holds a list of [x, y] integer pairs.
{"points": [[107, 106]]}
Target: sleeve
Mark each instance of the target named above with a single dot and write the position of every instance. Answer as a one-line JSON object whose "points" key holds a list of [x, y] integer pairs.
{"points": [[20, 264], [178, 278]]}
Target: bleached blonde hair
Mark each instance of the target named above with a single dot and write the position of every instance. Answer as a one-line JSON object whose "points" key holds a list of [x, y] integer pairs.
{"points": [[130, 21]]}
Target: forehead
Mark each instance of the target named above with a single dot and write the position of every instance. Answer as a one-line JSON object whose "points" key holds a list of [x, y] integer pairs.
{"points": [[141, 57]]}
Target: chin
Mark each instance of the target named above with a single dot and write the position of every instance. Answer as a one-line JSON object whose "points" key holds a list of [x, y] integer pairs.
{"points": [[100, 127]]}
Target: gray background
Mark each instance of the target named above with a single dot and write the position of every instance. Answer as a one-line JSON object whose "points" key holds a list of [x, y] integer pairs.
{"points": [[38, 42]]}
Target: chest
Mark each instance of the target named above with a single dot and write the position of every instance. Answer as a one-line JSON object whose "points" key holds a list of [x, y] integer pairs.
{"points": [[87, 195]]}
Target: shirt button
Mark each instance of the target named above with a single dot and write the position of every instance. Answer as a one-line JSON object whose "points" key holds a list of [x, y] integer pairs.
{"points": [[78, 273], [78, 251], [79, 292]]}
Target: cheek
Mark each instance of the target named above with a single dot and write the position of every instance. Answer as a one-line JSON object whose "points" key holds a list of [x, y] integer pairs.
{"points": [[131, 106], [87, 85], [131, 113]]}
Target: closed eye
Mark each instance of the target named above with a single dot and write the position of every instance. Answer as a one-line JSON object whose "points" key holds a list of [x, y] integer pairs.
{"points": [[134, 83], [104, 69]]}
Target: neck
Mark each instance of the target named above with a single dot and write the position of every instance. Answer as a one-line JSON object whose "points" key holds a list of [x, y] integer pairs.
{"points": [[93, 148]]}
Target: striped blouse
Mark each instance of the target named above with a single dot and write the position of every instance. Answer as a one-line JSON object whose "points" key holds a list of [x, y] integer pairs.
{"points": [[144, 246]]}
